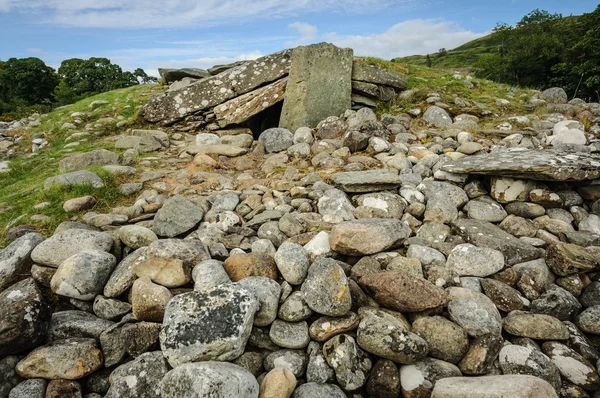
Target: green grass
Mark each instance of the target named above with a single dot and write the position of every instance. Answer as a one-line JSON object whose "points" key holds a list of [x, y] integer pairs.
{"points": [[22, 187]]}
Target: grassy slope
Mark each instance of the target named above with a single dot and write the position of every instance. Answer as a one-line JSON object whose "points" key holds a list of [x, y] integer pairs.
{"points": [[21, 188], [465, 56]]}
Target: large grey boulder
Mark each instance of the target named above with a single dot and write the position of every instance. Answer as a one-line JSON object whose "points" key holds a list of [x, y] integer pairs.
{"points": [[209, 92], [383, 233], [319, 85], [172, 75], [545, 165], [554, 95], [81, 177], [24, 318], [54, 250], [437, 117], [209, 379], [177, 216], [276, 139], [82, 160], [204, 326], [15, 259]]}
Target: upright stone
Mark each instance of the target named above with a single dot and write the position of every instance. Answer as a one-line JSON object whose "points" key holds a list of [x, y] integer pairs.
{"points": [[320, 85]]}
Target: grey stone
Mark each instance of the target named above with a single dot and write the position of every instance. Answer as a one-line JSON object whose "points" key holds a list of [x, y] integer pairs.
{"points": [[124, 275], [110, 308], [377, 75], [419, 378], [24, 318], [83, 275], [208, 326], [514, 386], [209, 274], [351, 364], [516, 359], [209, 92], [54, 250], [318, 390], [209, 379], [554, 95], [267, 292], [437, 117], [572, 366], [486, 209], [75, 178], [385, 233], [143, 144], [334, 203], [10, 377], [589, 320], [326, 288], [96, 157], [319, 85], [75, 323], [139, 378], [292, 262], [32, 388], [293, 360], [276, 139], [484, 234], [292, 335], [469, 260], [177, 216], [366, 181], [556, 302], [535, 326], [15, 259], [476, 314], [550, 165], [294, 308], [170, 75]]}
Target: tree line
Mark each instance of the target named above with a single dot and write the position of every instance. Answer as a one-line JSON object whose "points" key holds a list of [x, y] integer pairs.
{"points": [[29, 85], [545, 50]]}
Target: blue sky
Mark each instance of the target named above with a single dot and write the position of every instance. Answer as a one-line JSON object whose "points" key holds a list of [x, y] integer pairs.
{"points": [[200, 33]]}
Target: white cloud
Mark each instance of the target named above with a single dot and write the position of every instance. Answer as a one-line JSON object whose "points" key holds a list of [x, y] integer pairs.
{"points": [[417, 36], [181, 13], [307, 32]]}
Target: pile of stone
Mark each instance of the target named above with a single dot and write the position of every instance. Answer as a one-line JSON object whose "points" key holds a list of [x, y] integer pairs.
{"points": [[238, 92]]}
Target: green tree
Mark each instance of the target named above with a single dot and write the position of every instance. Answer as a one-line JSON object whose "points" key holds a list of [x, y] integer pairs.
{"points": [[428, 61], [143, 77], [28, 81]]}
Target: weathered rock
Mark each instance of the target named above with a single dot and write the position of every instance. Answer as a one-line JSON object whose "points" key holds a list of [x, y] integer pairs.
{"points": [[403, 292], [377, 75], [386, 337], [324, 328], [243, 265], [384, 381], [437, 117], [69, 359], [74, 323], [79, 204], [170, 75], [31, 388], [446, 340], [242, 108], [474, 312], [350, 363], [470, 260], [75, 178], [136, 236], [292, 335], [96, 157], [554, 95], [326, 289], [318, 390], [208, 274], [566, 259], [515, 359], [531, 164], [267, 292], [123, 276], [64, 388], [169, 272], [366, 181], [208, 326], [276, 139], [293, 262], [319, 85], [572, 366], [348, 237], [417, 380], [209, 379], [207, 93], [15, 259], [83, 275], [24, 318], [138, 378], [56, 249], [144, 144], [514, 386], [149, 300], [177, 216], [535, 326], [484, 234]]}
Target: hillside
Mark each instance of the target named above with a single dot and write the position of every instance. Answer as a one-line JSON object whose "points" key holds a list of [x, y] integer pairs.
{"points": [[465, 56]]}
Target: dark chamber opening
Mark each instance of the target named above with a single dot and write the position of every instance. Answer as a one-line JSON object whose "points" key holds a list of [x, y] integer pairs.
{"points": [[264, 120]]}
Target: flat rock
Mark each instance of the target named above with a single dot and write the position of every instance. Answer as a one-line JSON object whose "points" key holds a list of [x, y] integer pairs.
{"points": [[170, 75], [69, 359], [469, 260], [535, 326], [215, 325], [209, 92], [377, 75], [139, 378], [75, 178], [209, 379], [384, 233], [366, 181], [177, 216], [56, 249], [326, 289], [402, 292], [82, 160], [218, 149], [485, 234], [514, 386], [566, 259], [544, 165]]}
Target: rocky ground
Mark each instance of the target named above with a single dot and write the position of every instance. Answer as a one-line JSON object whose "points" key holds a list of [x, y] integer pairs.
{"points": [[403, 254]]}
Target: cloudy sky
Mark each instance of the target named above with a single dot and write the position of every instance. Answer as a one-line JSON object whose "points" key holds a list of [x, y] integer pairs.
{"points": [[200, 33]]}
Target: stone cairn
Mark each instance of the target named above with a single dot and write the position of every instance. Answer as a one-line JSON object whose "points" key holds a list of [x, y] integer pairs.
{"points": [[392, 268]]}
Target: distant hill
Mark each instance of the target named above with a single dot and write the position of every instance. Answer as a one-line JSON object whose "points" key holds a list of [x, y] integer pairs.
{"points": [[465, 56]]}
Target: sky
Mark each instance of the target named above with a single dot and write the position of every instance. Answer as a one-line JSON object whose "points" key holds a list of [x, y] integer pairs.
{"points": [[201, 33]]}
